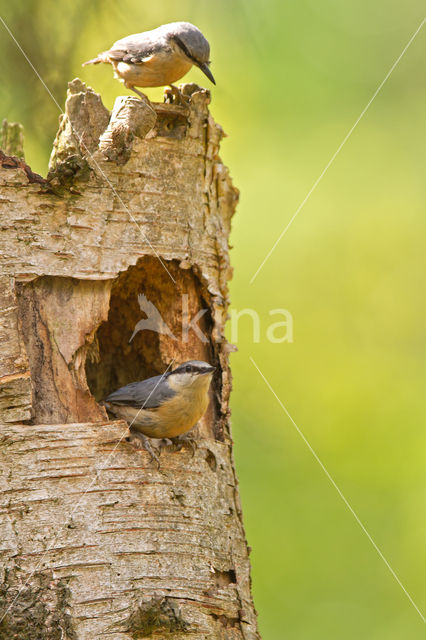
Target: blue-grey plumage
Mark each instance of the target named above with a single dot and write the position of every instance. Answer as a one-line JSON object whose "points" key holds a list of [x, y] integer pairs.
{"points": [[147, 394], [164, 406], [158, 57]]}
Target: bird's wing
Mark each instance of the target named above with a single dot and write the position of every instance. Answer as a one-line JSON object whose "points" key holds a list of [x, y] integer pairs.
{"points": [[147, 394], [137, 48]]}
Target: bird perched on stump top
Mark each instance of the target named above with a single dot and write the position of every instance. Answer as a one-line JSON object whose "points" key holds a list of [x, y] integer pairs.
{"points": [[158, 57], [165, 406]]}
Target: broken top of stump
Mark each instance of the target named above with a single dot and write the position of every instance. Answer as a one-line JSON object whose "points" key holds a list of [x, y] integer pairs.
{"points": [[89, 133]]}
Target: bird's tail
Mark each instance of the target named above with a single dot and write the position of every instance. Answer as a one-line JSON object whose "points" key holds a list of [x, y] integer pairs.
{"points": [[99, 58]]}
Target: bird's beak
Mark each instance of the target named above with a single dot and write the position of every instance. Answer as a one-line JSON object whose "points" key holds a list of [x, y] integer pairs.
{"points": [[204, 66], [208, 369]]}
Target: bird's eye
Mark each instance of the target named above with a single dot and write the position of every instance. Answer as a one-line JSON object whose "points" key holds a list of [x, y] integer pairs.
{"points": [[188, 368]]}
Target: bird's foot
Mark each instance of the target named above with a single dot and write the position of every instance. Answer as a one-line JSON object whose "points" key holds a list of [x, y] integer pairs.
{"points": [[141, 95], [185, 438], [140, 441], [174, 96]]}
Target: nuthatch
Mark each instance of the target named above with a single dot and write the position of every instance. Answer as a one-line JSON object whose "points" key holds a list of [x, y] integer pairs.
{"points": [[164, 406], [158, 57]]}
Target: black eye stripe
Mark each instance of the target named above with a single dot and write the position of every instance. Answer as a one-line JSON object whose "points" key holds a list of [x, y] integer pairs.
{"points": [[191, 368], [184, 49]]}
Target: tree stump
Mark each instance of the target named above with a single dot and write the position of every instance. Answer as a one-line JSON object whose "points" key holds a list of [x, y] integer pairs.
{"points": [[96, 541]]}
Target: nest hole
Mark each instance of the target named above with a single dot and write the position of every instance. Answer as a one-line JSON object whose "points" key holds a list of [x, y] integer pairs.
{"points": [[143, 334]]}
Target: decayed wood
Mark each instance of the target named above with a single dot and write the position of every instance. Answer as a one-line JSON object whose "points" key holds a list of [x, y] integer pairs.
{"points": [[15, 382], [130, 117], [57, 349], [96, 542]]}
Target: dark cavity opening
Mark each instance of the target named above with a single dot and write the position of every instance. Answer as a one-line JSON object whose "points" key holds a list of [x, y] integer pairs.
{"points": [[146, 292]]}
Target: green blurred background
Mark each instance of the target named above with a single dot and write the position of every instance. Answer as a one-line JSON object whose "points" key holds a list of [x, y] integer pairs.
{"points": [[292, 77]]}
